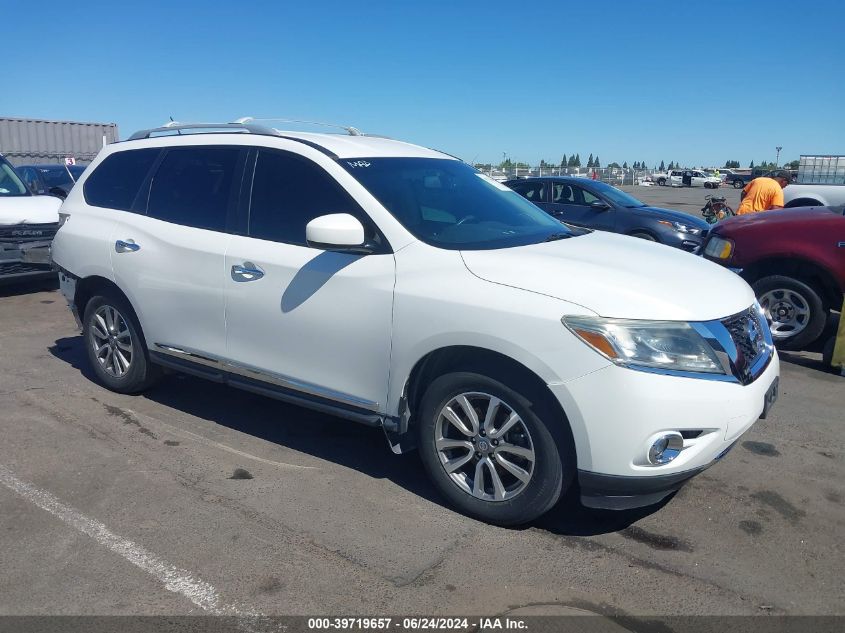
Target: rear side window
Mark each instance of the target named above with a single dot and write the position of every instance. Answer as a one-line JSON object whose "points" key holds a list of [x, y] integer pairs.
{"points": [[115, 183], [194, 186], [288, 192]]}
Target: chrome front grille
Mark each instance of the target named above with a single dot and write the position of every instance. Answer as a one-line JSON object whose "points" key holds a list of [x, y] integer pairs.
{"points": [[750, 335]]}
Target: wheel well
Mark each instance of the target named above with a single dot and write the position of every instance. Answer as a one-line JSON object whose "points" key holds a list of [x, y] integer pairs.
{"points": [[91, 287], [808, 272], [803, 202], [489, 363], [636, 232]]}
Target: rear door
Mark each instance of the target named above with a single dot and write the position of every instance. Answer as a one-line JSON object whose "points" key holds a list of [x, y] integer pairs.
{"points": [[169, 257], [313, 321]]}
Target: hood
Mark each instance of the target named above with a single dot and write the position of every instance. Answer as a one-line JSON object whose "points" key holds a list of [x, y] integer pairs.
{"points": [[618, 276], [778, 217], [671, 215], [29, 210]]}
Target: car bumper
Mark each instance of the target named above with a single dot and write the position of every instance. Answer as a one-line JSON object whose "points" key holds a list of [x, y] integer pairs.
{"points": [[25, 262], [616, 414]]}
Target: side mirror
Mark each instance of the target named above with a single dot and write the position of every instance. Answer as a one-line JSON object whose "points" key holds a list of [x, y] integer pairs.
{"points": [[598, 205], [336, 232]]}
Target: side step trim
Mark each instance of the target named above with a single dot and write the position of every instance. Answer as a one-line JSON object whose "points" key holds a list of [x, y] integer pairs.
{"points": [[201, 366]]}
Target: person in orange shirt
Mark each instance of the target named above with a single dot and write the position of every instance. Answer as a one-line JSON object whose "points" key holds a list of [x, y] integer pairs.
{"points": [[764, 194]]}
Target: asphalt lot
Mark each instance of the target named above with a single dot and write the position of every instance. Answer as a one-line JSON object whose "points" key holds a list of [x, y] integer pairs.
{"points": [[195, 498], [686, 199]]}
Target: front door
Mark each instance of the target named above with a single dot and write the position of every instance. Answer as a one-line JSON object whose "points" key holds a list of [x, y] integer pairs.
{"points": [[573, 204], [314, 321]]}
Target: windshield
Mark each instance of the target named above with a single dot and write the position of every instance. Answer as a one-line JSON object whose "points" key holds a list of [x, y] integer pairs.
{"points": [[617, 196], [448, 204], [54, 175], [10, 184]]}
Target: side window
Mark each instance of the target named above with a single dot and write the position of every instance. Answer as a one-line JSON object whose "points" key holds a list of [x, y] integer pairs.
{"points": [[289, 191], [564, 194], [194, 186], [588, 197], [533, 190], [115, 183]]}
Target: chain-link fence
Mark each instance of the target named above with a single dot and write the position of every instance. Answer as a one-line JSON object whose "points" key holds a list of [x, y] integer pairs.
{"points": [[616, 176]]}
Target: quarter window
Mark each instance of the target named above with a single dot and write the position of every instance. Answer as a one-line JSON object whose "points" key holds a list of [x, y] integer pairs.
{"points": [[193, 186], [115, 183], [288, 192]]}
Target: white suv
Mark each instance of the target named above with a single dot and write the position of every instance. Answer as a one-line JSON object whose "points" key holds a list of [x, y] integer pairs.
{"points": [[398, 287]]}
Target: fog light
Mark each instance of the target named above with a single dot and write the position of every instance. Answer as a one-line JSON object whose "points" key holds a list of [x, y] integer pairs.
{"points": [[665, 448]]}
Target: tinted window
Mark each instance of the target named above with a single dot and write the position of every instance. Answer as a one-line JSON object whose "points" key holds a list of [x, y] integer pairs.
{"points": [[115, 183], [10, 184], [288, 192], [193, 186], [532, 190]]}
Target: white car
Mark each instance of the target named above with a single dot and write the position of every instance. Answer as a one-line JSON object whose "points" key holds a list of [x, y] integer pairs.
{"points": [[27, 225], [398, 287], [697, 179]]}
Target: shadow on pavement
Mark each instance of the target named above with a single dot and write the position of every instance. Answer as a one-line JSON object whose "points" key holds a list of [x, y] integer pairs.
{"points": [[333, 439], [28, 287]]}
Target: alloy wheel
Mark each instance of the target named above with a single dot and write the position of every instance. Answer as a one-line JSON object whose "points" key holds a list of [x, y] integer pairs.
{"points": [[787, 311], [111, 340], [484, 446]]}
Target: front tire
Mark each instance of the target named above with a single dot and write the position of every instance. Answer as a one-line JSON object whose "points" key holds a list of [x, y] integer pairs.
{"points": [[661, 182], [115, 345], [794, 309], [489, 451]]}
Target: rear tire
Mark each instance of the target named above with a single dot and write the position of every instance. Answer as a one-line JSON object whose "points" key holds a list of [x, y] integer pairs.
{"points": [[738, 184], [661, 182], [457, 454], [115, 345], [794, 309]]}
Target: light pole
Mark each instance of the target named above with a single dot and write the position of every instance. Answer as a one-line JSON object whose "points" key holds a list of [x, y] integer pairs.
{"points": [[777, 158]]}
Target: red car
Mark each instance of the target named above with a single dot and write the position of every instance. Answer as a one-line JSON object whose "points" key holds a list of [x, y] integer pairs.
{"points": [[795, 261]]}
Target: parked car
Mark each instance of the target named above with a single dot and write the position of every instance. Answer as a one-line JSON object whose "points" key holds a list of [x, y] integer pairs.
{"points": [[398, 287], [55, 180], [594, 204], [795, 261], [812, 195], [696, 179], [27, 225]]}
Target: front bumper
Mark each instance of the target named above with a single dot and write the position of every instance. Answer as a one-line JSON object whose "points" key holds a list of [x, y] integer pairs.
{"points": [[25, 261], [616, 413]]}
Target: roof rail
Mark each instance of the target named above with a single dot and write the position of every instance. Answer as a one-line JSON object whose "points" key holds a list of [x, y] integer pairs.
{"points": [[175, 126], [351, 131]]}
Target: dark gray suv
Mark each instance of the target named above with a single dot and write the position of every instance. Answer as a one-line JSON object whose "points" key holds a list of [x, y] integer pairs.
{"points": [[596, 205]]}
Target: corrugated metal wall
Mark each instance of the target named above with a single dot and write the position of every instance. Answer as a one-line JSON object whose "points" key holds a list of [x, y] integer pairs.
{"points": [[34, 141]]}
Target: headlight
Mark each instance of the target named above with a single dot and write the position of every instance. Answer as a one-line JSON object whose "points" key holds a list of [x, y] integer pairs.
{"points": [[681, 227], [668, 345], [719, 248]]}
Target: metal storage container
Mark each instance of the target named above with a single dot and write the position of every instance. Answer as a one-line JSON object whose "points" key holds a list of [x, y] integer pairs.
{"points": [[821, 170], [35, 141]]}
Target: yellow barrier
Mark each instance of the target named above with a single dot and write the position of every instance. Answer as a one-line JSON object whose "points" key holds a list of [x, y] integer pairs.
{"points": [[838, 359]]}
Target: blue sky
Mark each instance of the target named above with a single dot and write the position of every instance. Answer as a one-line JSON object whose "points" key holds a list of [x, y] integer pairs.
{"points": [[694, 82]]}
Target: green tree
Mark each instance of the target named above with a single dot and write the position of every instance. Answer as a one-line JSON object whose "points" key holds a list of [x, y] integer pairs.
{"points": [[613, 165], [577, 160], [563, 162], [636, 164], [590, 161], [792, 165], [571, 162], [751, 165], [625, 165], [596, 163], [662, 166]]}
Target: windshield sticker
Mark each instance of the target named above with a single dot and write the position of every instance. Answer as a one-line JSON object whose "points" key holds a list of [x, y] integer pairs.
{"points": [[495, 183], [357, 163]]}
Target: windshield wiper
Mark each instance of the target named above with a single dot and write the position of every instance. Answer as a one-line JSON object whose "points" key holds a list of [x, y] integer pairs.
{"points": [[557, 236]]}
